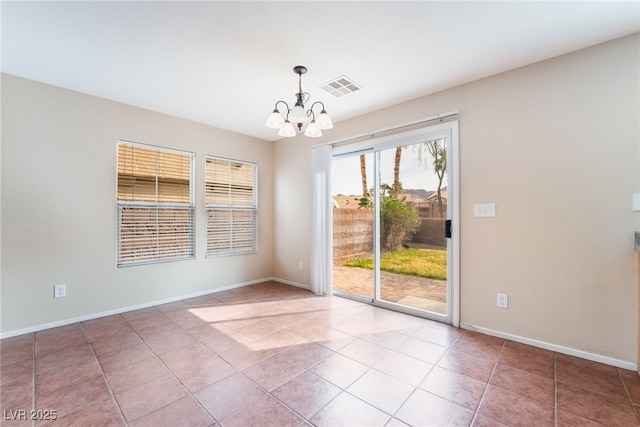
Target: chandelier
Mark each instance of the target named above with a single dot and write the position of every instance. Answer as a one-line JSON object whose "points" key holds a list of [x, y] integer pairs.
{"points": [[297, 115]]}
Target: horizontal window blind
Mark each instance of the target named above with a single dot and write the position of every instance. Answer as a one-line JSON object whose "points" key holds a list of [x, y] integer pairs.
{"points": [[150, 233], [155, 205], [231, 203], [151, 175]]}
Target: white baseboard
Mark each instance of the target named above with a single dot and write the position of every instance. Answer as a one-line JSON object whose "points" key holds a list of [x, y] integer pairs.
{"points": [[289, 282], [554, 347], [65, 322]]}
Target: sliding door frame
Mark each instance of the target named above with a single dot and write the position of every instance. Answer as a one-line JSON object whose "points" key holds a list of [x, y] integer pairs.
{"points": [[448, 130]]}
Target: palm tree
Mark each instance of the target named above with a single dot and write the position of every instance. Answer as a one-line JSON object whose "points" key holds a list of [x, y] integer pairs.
{"points": [[363, 174], [438, 151], [397, 185]]}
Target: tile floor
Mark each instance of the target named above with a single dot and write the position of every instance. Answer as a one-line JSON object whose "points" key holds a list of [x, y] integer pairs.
{"points": [[271, 354]]}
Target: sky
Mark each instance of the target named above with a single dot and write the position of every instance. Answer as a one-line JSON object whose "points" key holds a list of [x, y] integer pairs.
{"points": [[413, 173]]}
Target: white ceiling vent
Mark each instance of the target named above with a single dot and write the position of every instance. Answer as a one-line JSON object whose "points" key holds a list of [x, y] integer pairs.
{"points": [[340, 86]]}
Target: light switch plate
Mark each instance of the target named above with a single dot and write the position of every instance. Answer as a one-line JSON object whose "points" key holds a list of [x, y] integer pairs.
{"points": [[636, 202], [484, 210]]}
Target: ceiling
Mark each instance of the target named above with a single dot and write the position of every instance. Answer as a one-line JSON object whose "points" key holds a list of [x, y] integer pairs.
{"points": [[225, 64]]}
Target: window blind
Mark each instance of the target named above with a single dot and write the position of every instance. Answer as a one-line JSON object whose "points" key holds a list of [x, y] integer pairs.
{"points": [[155, 204], [231, 204]]}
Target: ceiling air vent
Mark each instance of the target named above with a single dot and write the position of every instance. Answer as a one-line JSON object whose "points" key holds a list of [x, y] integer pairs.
{"points": [[340, 86]]}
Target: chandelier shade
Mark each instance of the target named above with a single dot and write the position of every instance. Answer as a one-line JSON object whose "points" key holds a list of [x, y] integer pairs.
{"points": [[275, 120], [298, 115], [313, 130], [287, 129], [324, 121]]}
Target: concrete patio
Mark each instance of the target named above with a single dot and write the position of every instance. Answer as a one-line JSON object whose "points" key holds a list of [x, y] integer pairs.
{"points": [[413, 291]]}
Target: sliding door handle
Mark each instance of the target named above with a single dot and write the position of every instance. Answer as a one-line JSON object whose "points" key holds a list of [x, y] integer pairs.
{"points": [[447, 229]]}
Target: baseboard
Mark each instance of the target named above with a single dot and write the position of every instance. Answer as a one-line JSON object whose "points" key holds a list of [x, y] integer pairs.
{"points": [[85, 318], [553, 347], [289, 282]]}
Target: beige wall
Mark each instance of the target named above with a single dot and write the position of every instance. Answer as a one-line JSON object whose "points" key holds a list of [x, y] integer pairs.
{"points": [[556, 146], [59, 211]]}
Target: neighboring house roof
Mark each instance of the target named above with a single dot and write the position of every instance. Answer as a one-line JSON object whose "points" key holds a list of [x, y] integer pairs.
{"points": [[443, 194], [346, 202]]}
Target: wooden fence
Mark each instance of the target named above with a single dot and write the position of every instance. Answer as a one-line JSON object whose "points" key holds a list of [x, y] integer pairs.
{"points": [[353, 233]]}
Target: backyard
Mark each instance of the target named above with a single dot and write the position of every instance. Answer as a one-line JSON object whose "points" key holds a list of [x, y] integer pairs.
{"points": [[427, 263], [411, 277]]}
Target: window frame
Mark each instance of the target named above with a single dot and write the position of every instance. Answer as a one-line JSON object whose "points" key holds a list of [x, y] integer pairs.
{"points": [[213, 207], [158, 207]]}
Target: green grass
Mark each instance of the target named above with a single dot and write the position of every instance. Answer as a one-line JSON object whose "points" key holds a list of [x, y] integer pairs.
{"points": [[428, 263]]}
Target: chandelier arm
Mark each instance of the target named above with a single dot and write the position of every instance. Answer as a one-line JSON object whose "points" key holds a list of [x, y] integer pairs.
{"points": [[287, 105], [317, 102]]}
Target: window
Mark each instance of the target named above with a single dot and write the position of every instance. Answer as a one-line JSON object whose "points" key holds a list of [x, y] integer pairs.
{"points": [[231, 203], [155, 204]]}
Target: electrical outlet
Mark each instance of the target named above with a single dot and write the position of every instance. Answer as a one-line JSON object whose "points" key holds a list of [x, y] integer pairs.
{"points": [[60, 291], [503, 300], [300, 265]]}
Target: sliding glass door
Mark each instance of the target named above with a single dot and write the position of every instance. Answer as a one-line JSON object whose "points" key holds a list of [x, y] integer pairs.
{"points": [[392, 209], [412, 217], [353, 225]]}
